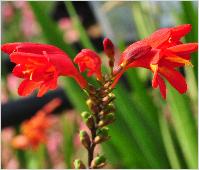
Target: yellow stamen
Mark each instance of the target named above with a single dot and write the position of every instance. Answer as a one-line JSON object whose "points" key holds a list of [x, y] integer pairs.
{"points": [[31, 76], [123, 64], [179, 60], [154, 67]]}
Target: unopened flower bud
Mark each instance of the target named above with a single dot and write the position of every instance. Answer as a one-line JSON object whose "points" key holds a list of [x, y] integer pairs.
{"points": [[107, 119], [88, 119], [108, 48], [78, 164], [91, 89], [98, 161], [89, 103], [102, 135], [108, 109], [110, 97], [85, 139]]}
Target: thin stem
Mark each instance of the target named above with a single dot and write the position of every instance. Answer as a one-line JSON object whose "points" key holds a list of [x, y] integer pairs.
{"points": [[92, 146]]}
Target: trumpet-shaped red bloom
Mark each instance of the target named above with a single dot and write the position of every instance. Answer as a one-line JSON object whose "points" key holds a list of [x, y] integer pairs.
{"points": [[88, 59], [166, 54], [40, 65]]}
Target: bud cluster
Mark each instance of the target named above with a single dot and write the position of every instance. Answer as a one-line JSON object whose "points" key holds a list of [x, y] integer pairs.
{"points": [[101, 115]]}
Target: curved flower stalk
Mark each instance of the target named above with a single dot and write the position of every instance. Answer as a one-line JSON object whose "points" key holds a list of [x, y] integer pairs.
{"points": [[40, 66], [34, 131]]}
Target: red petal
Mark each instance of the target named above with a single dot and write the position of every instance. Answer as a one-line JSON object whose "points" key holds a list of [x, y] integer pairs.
{"points": [[180, 31], [174, 78], [27, 87], [48, 85], [27, 58], [18, 71], [135, 51], [162, 87], [9, 47], [159, 37], [28, 47], [155, 80], [184, 49], [63, 64]]}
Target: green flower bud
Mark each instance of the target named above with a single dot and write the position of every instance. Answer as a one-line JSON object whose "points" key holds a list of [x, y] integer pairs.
{"points": [[85, 139], [102, 135], [106, 119], [78, 164], [98, 161]]}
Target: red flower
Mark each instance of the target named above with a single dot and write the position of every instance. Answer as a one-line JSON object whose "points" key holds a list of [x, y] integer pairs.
{"points": [[88, 59], [40, 65], [34, 131], [167, 53]]}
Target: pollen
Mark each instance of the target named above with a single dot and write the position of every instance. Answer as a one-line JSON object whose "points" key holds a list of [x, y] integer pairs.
{"points": [[154, 67]]}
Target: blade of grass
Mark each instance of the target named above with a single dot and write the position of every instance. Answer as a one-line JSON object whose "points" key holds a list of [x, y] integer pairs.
{"points": [[84, 39], [190, 15], [68, 131], [184, 125], [142, 135], [169, 145]]}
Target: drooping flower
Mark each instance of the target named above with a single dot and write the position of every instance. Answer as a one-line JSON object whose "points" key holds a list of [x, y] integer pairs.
{"points": [[40, 65], [34, 131], [88, 59], [166, 54]]}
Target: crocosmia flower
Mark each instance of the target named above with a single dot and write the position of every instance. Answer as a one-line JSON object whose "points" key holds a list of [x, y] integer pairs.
{"points": [[34, 131], [40, 65], [166, 54], [88, 59]]}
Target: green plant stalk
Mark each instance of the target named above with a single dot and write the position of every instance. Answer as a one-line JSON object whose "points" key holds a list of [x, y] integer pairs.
{"points": [[169, 145], [84, 39], [190, 16], [185, 126], [67, 141]]}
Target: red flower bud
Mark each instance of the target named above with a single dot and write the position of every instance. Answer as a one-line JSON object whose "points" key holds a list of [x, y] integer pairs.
{"points": [[88, 59], [108, 48]]}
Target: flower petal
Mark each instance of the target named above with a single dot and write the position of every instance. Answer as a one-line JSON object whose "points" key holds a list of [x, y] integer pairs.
{"points": [[162, 87], [159, 37], [48, 85], [134, 52], [184, 49], [174, 78], [180, 31], [25, 58], [28, 47], [27, 87]]}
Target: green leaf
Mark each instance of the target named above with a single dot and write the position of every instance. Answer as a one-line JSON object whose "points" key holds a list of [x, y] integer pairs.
{"points": [[146, 141], [68, 136], [169, 145], [184, 125]]}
